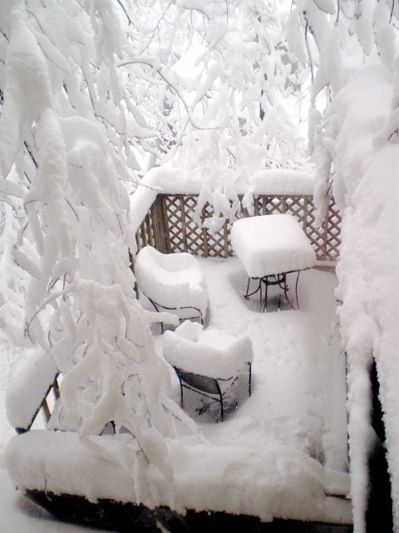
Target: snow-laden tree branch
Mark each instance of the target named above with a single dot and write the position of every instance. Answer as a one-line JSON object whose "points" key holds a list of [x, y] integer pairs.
{"points": [[67, 124]]}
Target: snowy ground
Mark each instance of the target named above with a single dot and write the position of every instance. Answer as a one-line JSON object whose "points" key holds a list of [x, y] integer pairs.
{"points": [[298, 373], [298, 382]]}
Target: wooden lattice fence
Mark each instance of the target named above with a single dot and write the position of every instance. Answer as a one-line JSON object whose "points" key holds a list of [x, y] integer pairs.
{"points": [[171, 225]]}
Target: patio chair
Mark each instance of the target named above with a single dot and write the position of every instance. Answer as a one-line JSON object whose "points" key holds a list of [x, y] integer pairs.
{"points": [[208, 362], [172, 282]]}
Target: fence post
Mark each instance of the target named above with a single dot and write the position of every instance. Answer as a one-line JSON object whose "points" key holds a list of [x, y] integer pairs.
{"points": [[160, 224]]}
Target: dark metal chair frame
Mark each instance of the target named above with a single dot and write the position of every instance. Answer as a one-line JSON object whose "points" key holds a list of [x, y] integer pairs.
{"points": [[206, 386], [159, 307], [279, 279]]}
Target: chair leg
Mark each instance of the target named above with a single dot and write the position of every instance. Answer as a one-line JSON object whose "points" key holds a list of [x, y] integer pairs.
{"points": [[249, 379], [221, 399], [296, 290], [247, 293], [181, 394], [266, 295]]}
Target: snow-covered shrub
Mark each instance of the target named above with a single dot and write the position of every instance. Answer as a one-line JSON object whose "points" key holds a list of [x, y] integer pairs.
{"points": [[353, 54]]}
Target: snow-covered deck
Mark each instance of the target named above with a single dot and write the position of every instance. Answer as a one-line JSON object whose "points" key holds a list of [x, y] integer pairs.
{"points": [[282, 453], [299, 385], [298, 371]]}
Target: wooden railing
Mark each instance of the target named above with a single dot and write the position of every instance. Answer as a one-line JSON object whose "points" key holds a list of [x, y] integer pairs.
{"points": [[171, 225]]}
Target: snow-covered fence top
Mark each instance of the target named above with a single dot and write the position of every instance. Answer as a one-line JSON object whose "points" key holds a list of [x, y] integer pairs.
{"points": [[174, 212]]}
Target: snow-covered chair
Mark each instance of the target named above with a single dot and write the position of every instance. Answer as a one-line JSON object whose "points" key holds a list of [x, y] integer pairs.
{"points": [[28, 393], [173, 282], [209, 361]]}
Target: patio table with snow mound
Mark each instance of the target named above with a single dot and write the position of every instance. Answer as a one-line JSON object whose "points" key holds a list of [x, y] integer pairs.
{"points": [[270, 247]]}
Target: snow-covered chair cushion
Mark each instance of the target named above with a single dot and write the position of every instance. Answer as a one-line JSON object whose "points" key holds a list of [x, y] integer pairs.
{"points": [[172, 281], [207, 361]]}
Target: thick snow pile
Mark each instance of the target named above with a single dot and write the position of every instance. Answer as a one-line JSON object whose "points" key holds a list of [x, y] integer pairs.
{"points": [[214, 478], [367, 187], [277, 455], [271, 244], [209, 352], [170, 179], [20, 514], [171, 280]]}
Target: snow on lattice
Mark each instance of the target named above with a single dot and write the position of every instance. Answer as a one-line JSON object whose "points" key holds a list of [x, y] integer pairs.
{"points": [[209, 352], [271, 244], [171, 280], [168, 179]]}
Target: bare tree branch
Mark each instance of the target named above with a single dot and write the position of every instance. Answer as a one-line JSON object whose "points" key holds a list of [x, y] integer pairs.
{"points": [[307, 29], [130, 22]]}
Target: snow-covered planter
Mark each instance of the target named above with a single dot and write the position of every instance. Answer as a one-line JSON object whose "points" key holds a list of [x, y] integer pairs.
{"points": [[75, 483]]}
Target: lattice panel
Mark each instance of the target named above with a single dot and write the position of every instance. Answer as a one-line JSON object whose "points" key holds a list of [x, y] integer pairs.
{"points": [[146, 232], [171, 225], [333, 232], [185, 235]]}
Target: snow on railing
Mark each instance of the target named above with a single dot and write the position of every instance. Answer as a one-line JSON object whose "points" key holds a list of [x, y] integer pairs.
{"points": [[172, 213], [171, 225]]}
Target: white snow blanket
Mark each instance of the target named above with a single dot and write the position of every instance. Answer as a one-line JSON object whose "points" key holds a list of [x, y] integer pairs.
{"points": [[211, 352], [271, 244], [276, 456], [171, 280], [205, 477], [169, 180], [175, 180]]}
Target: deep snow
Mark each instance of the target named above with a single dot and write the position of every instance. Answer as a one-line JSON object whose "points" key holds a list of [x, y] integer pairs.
{"points": [[298, 400]]}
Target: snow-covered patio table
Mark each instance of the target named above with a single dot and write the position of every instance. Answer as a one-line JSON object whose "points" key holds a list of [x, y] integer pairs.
{"points": [[270, 247]]}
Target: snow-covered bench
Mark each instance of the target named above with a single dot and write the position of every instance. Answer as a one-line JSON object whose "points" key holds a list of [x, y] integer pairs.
{"points": [[207, 361], [172, 281], [215, 487]]}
